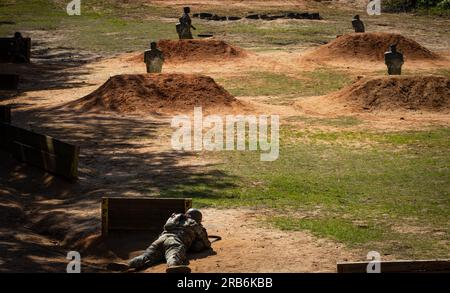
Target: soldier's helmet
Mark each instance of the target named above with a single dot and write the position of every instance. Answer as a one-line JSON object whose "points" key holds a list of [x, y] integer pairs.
{"points": [[187, 9], [17, 35], [195, 214], [356, 17], [153, 45]]}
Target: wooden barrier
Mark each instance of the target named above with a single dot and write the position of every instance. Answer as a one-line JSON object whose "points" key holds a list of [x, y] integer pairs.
{"points": [[138, 214], [40, 150], [9, 81], [5, 113], [7, 50], [400, 266]]}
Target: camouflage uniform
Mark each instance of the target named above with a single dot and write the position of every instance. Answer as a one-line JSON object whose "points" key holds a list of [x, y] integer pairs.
{"points": [[154, 60], [358, 25], [180, 235], [394, 61]]}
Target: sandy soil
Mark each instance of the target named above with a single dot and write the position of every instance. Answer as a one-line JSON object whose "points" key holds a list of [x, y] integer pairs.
{"points": [[129, 155], [248, 247]]}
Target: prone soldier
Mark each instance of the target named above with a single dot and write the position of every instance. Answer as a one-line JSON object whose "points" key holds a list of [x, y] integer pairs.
{"points": [[182, 232]]}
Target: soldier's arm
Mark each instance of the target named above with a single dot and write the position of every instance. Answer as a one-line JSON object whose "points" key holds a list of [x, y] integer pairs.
{"points": [[201, 241]]}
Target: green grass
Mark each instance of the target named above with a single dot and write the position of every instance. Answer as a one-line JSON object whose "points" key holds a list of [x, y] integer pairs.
{"points": [[116, 26], [437, 138], [341, 121], [356, 187], [337, 187], [103, 29], [286, 33], [444, 72], [337, 229], [317, 82]]}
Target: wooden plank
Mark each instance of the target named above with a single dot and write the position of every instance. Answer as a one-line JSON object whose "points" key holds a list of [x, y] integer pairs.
{"points": [[7, 50], [42, 142], [105, 216], [9, 81], [400, 266], [5, 113], [143, 213], [49, 162], [40, 150]]}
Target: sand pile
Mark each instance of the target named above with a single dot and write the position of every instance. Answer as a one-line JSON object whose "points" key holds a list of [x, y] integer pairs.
{"points": [[195, 50], [371, 47], [156, 93], [430, 93]]}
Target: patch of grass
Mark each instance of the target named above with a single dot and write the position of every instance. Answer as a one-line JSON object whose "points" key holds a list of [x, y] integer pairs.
{"points": [[398, 178], [27, 15], [325, 81], [112, 35], [318, 82], [286, 33], [444, 72], [341, 121], [337, 229], [101, 24], [101, 27], [262, 84], [438, 138]]}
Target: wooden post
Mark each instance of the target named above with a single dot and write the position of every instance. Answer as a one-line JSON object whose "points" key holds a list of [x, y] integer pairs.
{"points": [[9, 81], [5, 113], [40, 150], [105, 216]]}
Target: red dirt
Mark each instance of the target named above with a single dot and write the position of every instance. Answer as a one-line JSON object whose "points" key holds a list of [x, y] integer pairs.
{"points": [[431, 93], [371, 47], [195, 50], [156, 93]]}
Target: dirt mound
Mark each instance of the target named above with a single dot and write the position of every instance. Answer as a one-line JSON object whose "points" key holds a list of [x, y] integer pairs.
{"points": [[195, 50], [156, 93], [431, 93], [371, 47]]}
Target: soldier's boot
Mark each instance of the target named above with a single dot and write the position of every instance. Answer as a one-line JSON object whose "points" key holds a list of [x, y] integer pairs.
{"points": [[138, 262], [178, 269], [176, 260]]}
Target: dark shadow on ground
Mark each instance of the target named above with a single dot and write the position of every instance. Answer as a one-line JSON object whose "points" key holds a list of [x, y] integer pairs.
{"points": [[114, 161], [122, 246], [50, 68]]}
